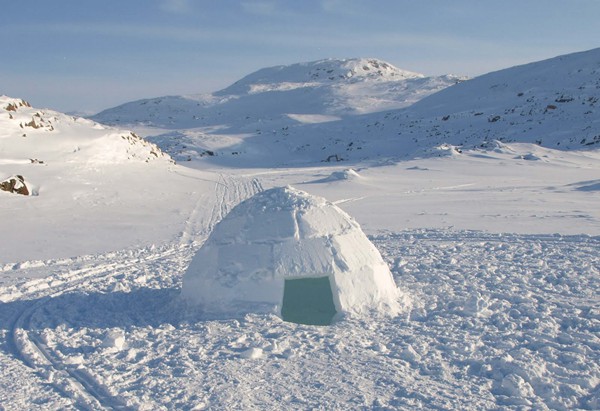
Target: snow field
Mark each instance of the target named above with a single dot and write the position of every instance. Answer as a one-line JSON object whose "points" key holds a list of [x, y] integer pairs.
{"points": [[498, 321]]}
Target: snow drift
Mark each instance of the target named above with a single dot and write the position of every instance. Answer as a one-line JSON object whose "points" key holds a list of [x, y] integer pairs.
{"points": [[288, 252]]}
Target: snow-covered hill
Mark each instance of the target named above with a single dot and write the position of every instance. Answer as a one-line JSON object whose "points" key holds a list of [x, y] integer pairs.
{"points": [[28, 134], [283, 115], [554, 103], [282, 96], [92, 187]]}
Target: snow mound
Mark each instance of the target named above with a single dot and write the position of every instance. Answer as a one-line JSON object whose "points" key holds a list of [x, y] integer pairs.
{"points": [[342, 175], [278, 250]]}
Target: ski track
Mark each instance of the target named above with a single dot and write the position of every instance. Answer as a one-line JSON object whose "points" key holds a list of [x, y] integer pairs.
{"points": [[75, 382]]}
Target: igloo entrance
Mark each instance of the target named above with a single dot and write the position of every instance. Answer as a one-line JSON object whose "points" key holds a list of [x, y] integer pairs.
{"points": [[308, 301]]}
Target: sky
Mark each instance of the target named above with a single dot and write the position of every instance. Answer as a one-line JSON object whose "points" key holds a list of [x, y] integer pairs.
{"points": [[86, 56]]}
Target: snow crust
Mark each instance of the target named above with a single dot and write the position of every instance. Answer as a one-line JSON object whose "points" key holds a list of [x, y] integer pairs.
{"points": [[284, 233]]}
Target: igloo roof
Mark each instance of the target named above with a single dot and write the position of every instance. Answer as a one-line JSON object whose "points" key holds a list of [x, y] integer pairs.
{"points": [[280, 234], [279, 214]]}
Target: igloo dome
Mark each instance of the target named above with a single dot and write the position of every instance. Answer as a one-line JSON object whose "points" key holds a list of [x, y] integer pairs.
{"points": [[288, 252]]}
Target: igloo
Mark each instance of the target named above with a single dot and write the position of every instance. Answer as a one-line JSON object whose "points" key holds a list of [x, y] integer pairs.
{"points": [[294, 254]]}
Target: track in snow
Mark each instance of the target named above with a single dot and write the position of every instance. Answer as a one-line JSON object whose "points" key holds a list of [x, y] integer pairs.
{"points": [[499, 321], [24, 341]]}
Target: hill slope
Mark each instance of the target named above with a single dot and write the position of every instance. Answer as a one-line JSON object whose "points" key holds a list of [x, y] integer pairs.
{"points": [[552, 103], [30, 133], [92, 188], [285, 95]]}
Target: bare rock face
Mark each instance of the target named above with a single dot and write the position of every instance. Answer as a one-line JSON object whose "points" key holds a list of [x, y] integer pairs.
{"points": [[15, 184]]}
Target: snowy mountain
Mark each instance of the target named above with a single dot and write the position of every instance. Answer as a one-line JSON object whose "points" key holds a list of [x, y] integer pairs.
{"points": [[281, 96], [284, 115], [553, 103]]}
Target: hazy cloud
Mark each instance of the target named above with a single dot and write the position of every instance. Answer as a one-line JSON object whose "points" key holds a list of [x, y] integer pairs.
{"points": [[265, 8], [175, 6], [332, 5]]}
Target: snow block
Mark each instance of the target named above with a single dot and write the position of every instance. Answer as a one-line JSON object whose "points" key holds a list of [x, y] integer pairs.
{"points": [[250, 259]]}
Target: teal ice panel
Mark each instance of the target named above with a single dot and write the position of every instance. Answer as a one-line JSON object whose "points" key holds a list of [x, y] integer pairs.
{"points": [[308, 301]]}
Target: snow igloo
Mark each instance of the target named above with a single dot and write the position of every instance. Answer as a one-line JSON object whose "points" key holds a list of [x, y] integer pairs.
{"points": [[294, 254]]}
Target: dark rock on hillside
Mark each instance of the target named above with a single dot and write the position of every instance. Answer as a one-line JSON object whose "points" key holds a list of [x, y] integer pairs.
{"points": [[15, 184]]}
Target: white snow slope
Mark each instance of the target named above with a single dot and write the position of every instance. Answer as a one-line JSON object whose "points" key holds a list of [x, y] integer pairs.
{"points": [[552, 103], [496, 245], [95, 188], [275, 98], [317, 91]]}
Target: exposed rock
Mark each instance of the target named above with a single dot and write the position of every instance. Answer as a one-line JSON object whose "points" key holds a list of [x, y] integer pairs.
{"points": [[16, 104], [333, 157], [15, 184]]}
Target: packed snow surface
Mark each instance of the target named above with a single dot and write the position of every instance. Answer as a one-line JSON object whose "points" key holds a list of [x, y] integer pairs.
{"points": [[489, 225]]}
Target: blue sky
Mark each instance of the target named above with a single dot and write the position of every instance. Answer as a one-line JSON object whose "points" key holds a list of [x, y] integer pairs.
{"points": [[74, 55]]}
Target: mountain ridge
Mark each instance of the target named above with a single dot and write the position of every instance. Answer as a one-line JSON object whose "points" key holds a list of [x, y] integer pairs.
{"points": [[551, 103], [334, 88]]}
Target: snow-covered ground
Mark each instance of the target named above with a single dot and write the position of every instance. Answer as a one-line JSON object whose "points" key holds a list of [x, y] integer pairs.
{"points": [[496, 245]]}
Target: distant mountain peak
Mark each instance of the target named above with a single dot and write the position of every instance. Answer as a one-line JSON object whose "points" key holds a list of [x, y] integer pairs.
{"points": [[325, 72], [281, 96]]}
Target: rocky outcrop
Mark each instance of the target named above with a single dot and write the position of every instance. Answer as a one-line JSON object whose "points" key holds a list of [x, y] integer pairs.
{"points": [[15, 104], [15, 184]]}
